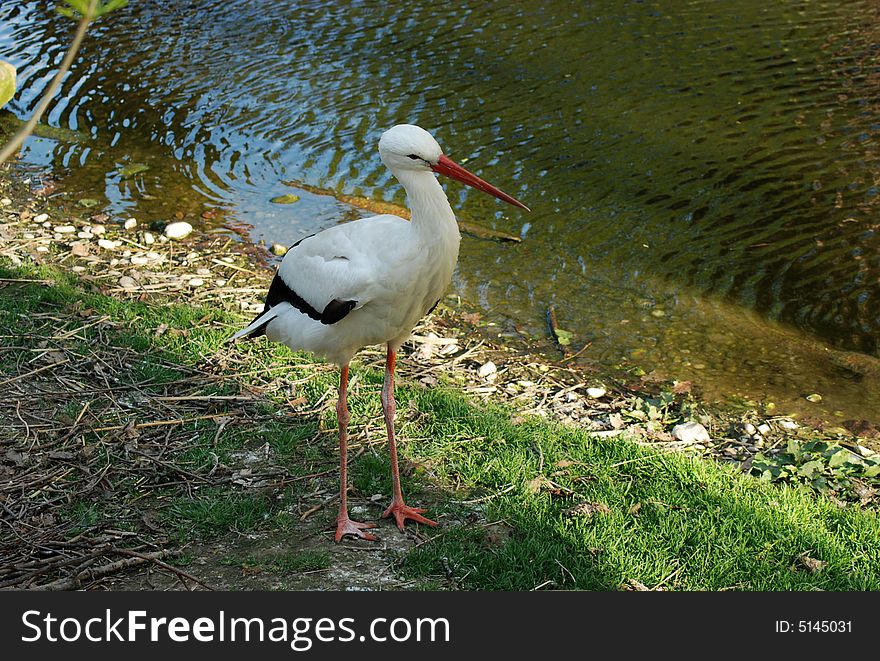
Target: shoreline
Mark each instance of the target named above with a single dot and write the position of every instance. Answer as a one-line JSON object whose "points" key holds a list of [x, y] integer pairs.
{"points": [[224, 269], [147, 423]]}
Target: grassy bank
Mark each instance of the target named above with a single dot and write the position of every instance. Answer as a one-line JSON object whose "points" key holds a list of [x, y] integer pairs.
{"points": [[131, 424]]}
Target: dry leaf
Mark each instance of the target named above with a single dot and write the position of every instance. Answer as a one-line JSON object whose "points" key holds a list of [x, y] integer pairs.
{"points": [[538, 484], [811, 564], [16, 457], [586, 510], [634, 510], [633, 585], [498, 534], [130, 430], [151, 521], [565, 463], [682, 387]]}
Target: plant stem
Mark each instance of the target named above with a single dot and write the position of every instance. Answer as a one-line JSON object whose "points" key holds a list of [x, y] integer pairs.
{"points": [[18, 139]]}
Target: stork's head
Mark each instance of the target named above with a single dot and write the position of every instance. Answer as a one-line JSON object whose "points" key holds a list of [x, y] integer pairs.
{"points": [[407, 147]]}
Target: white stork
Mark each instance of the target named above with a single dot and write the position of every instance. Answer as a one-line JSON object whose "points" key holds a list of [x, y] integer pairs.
{"points": [[369, 282]]}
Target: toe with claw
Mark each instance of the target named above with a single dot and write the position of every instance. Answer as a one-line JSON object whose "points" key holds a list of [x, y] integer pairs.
{"points": [[345, 526], [402, 512]]}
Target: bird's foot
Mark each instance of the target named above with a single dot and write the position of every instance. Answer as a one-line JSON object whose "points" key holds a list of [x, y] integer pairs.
{"points": [[345, 526], [403, 512]]}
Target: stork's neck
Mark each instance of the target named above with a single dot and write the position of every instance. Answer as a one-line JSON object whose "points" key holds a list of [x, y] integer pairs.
{"points": [[431, 213]]}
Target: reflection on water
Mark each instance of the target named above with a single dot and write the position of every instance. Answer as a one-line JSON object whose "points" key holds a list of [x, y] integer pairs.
{"points": [[703, 176]]}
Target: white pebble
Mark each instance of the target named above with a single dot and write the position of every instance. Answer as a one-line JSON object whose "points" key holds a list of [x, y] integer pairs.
{"points": [[486, 369], [5, 202], [203, 271], [764, 429], [106, 244], [178, 230], [127, 282], [84, 235], [42, 249], [788, 424], [139, 260], [220, 282], [42, 218], [196, 282], [149, 239], [65, 229], [98, 229], [691, 432], [596, 393], [130, 224]]}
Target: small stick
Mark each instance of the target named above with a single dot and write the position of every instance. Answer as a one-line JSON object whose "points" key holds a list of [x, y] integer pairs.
{"points": [[162, 423], [199, 398], [220, 262], [33, 372], [554, 329], [575, 355], [154, 557], [74, 581]]}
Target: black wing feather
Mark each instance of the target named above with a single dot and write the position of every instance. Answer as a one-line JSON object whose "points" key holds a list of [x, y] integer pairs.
{"points": [[280, 292]]}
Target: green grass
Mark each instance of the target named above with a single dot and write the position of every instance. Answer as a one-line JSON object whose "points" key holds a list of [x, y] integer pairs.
{"points": [[672, 520], [663, 520]]}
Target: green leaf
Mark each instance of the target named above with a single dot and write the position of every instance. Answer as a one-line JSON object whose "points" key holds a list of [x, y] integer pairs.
{"points": [[811, 469], [76, 7], [563, 337], [844, 458], [290, 198], [130, 170], [839, 458], [7, 82], [88, 202], [81, 8], [113, 5]]}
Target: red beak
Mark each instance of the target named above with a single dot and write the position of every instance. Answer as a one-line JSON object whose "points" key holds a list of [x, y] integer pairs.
{"points": [[452, 169]]}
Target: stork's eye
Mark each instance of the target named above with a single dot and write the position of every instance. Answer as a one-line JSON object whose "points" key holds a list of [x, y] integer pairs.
{"points": [[413, 157]]}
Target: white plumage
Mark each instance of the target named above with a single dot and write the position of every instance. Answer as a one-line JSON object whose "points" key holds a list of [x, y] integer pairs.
{"points": [[369, 282]]}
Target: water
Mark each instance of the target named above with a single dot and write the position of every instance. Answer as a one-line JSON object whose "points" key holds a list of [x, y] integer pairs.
{"points": [[703, 175]]}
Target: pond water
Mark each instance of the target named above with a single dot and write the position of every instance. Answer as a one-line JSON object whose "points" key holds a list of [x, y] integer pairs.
{"points": [[703, 175]]}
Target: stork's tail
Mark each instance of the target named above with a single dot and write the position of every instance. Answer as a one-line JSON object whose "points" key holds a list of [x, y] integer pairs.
{"points": [[258, 326]]}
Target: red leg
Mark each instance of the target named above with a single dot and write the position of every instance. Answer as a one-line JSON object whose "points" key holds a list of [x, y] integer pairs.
{"points": [[400, 511], [344, 525]]}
